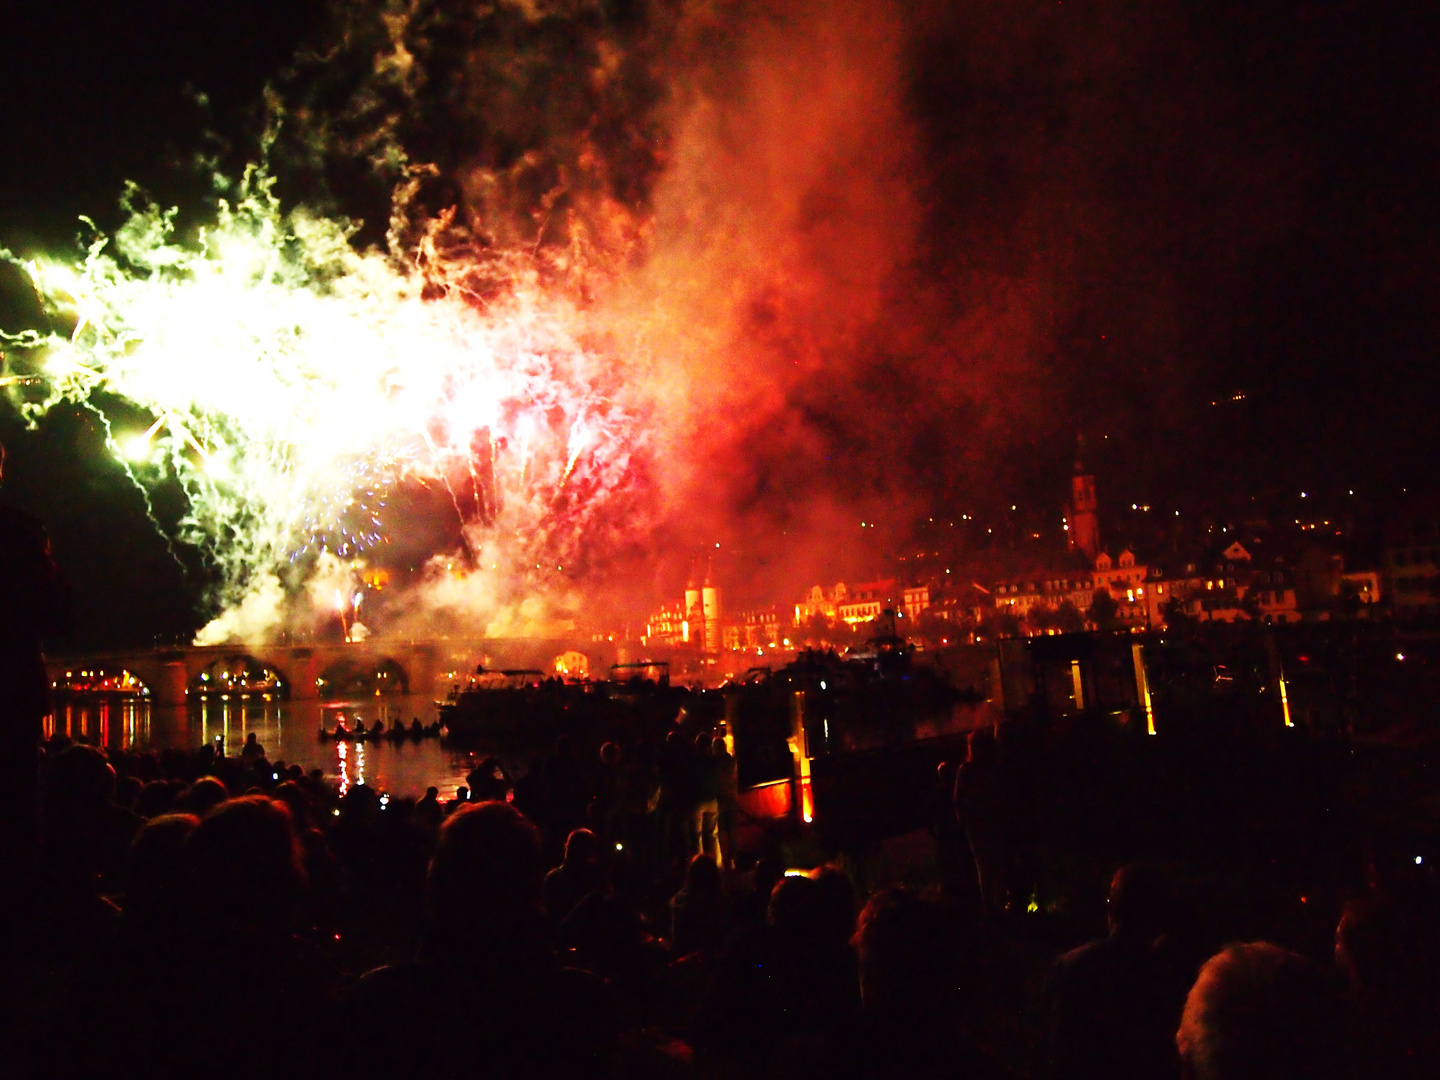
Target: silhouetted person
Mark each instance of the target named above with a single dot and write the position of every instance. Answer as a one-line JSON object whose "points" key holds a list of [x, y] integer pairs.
{"points": [[230, 951], [152, 887], [915, 986], [34, 604], [1117, 1001], [486, 995], [674, 803], [697, 911], [1258, 1012], [980, 810], [428, 810], [204, 795], [574, 879], [752, 907], [952, 848], [608, 806], [702, 821], [796, 994], [727, 788], [1387, 947], [489, 781]]}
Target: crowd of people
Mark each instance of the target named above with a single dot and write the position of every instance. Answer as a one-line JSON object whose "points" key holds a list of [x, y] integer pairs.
{"points": [[195, 913], [190, 911]]}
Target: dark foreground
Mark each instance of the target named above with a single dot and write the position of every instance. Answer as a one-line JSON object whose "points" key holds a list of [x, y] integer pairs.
{"points": [[191, 914]]}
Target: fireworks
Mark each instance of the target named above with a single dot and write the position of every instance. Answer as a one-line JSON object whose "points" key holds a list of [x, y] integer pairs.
{"points": [[294, 381]]}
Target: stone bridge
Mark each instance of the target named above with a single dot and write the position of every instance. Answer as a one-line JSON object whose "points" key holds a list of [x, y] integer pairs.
{"points": [[430, 667]]}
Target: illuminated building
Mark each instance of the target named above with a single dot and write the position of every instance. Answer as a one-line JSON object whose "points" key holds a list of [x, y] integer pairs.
{"points": [[819, 603], [1041, 589], [1230, 586], [917, 600], [1363, 585], [1414, 572], [758, 629], [865, 602], [694, 613], [710, 613], [1082, 521], [668, 626], [693, 622]]}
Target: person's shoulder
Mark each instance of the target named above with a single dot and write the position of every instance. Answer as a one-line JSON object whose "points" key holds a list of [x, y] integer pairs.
{"points": [[972, 1063], [1090, 953], [1082, 962], [14, 520], [409, 984]]}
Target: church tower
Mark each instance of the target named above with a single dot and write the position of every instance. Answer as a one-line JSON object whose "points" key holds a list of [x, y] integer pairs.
{"points": [[1084, 531], [710, 609], [694, 613]]}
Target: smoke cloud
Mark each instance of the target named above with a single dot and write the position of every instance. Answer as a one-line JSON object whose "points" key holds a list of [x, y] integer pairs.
{"points": [[805, 275]]}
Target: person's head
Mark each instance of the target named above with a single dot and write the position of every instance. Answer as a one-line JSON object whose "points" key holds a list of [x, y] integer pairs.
{"points": [[80, 776], [702, 875], [835, 894], [242, 864], [981, 746], [769, 872], [1260, 1012], [909, 957], [582, 849], [204, 795], [1388, 949], [156, 861], [1141, 901], [794, 906], [610, 754], [718, 748], [298, 802], [127, 791], [361, 804], [486, 873], [155, 798]]}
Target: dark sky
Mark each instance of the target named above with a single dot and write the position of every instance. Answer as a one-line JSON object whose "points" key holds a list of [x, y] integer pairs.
{"points": [[1225, 197]]}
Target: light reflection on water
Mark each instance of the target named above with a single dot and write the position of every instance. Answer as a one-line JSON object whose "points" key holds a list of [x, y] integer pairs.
{"points": [[289, 732]]}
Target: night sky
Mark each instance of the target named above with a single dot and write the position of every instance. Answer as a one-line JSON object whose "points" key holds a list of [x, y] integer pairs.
{"points": [[1174, 204]]}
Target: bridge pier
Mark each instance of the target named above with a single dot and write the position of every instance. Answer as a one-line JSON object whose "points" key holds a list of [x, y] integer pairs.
{"points": [[421, 671], [302, 672], [173, 682]]}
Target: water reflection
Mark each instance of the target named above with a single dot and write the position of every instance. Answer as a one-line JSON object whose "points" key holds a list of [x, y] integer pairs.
{"points": [[104, 720], [289, 732]]}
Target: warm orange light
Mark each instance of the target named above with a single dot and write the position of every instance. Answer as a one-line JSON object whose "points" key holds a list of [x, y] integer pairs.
{"points": [[1142, 683]]}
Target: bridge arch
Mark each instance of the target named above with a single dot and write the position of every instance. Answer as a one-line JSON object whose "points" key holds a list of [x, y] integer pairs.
{"points": [[363, 676], [572, 664], [99, 680], [238, 675]]}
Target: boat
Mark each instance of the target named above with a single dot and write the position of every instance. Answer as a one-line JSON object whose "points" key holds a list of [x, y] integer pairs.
{"points": [[509, 702]]}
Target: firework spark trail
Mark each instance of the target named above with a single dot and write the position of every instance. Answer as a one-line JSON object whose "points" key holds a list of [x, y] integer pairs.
{"points": [[294, 381]]}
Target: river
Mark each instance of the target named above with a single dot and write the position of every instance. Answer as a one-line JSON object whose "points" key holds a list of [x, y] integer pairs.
{"points": [[289, 732]]}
